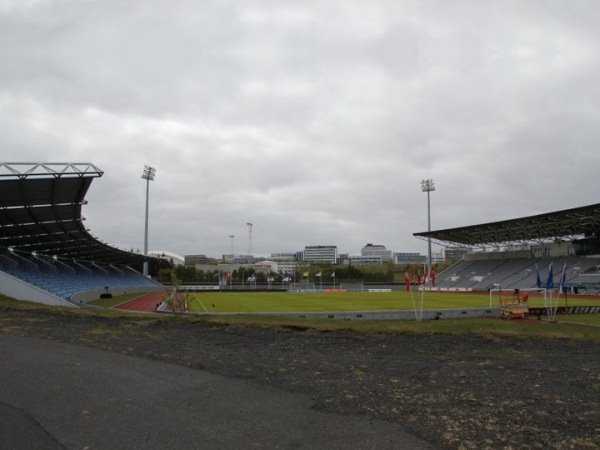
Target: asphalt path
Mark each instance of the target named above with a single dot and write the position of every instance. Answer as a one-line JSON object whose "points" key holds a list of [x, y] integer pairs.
{"points": [[57, 396]]}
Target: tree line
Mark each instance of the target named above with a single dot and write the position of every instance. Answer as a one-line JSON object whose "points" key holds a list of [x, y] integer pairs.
{"points": [[386, 273]]}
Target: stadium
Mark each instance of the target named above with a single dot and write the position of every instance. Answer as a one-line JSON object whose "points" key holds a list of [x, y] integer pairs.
{"points": [[154, 381], [518, 253], [47, 255]]}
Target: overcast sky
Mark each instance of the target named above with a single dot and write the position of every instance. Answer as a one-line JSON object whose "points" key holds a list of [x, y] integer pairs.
{"points": [[314, 120]]}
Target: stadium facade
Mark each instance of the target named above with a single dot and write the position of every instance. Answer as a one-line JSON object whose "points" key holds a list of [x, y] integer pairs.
{"points": [[526, 252], [47, 254]]}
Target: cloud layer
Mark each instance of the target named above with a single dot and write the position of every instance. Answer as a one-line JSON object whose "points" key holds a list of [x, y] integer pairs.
{"points": [[315, 121]]}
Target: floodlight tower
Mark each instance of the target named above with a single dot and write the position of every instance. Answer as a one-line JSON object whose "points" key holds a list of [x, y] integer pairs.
{"points": [[148, 175], [232, 237], [428, 186], [249, 225]]}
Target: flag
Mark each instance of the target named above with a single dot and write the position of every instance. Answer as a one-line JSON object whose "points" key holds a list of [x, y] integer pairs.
{"points": [[332, 275], [563, 279], [252, 278], [318, 274], [432, 275], [538, 280], [550, 280], [407, 280]]}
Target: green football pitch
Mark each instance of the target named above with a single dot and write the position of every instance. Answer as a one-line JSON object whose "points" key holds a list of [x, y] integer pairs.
{"points": [[265, 302]]}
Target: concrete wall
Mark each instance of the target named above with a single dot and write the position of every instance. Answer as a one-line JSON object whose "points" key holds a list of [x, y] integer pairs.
{"points": [[383, 315]]}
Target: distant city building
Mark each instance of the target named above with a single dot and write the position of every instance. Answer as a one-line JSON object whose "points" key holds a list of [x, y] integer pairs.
{"points": [[265, 266], [409, 258], [286, 266], [373, 250], [344, 258], [366, 260], [287, 256], [320, 253], [238, 259]]}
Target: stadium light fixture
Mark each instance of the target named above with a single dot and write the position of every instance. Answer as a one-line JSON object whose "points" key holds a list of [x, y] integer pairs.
{"points": [[148, 175], [428, 186], [249, 225]]}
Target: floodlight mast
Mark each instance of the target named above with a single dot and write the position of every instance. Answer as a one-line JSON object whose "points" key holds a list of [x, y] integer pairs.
{"points": [[428, 186], [249, 225], [148, 175]]}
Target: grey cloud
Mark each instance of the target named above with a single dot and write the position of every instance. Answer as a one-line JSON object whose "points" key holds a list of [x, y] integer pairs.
{"points": [[314, 120]]}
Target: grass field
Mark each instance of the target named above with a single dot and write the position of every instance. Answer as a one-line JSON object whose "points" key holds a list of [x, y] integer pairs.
{"points": [[275, 302], [570, 326]]}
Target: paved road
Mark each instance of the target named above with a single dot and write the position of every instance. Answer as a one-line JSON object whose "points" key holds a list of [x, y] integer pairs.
{"points": [[56, 396]]}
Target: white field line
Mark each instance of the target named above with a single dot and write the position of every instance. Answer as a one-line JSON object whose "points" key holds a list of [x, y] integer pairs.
{"points": [[196, 297]]}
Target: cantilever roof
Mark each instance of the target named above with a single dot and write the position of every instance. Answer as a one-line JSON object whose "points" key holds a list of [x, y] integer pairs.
{"points": [[40, 211], [45, 170], [574, 222]]}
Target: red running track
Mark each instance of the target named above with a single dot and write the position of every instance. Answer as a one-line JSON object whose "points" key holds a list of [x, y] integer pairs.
{"points": [[146, 302]]}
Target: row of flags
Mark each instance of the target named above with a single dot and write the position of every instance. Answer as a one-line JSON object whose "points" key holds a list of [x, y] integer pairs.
{"points": [[286, 278], [318, 275], [550, 280], [422, 280], [228, 276]]}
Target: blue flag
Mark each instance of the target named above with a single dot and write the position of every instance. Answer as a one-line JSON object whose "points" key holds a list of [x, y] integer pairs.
{"points": [[538, 280], [550, 280]]}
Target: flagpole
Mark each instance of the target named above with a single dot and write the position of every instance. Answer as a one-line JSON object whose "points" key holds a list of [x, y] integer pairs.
{"points": [[563, 281]]}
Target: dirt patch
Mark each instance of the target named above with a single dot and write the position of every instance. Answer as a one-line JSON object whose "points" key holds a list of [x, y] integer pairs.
{"points": [[463, 391]]}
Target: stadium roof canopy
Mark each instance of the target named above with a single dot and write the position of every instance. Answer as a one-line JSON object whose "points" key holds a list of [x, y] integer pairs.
{"points": [[40, 211], [569, 223]]}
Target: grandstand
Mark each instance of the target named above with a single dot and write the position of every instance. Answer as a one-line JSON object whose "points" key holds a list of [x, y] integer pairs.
{"points": [[515, 253], [46, 253]]}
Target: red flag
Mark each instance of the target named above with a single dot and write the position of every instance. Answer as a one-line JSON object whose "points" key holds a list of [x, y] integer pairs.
{"points": [[418, 278], [432, 275], [407, 281]]}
